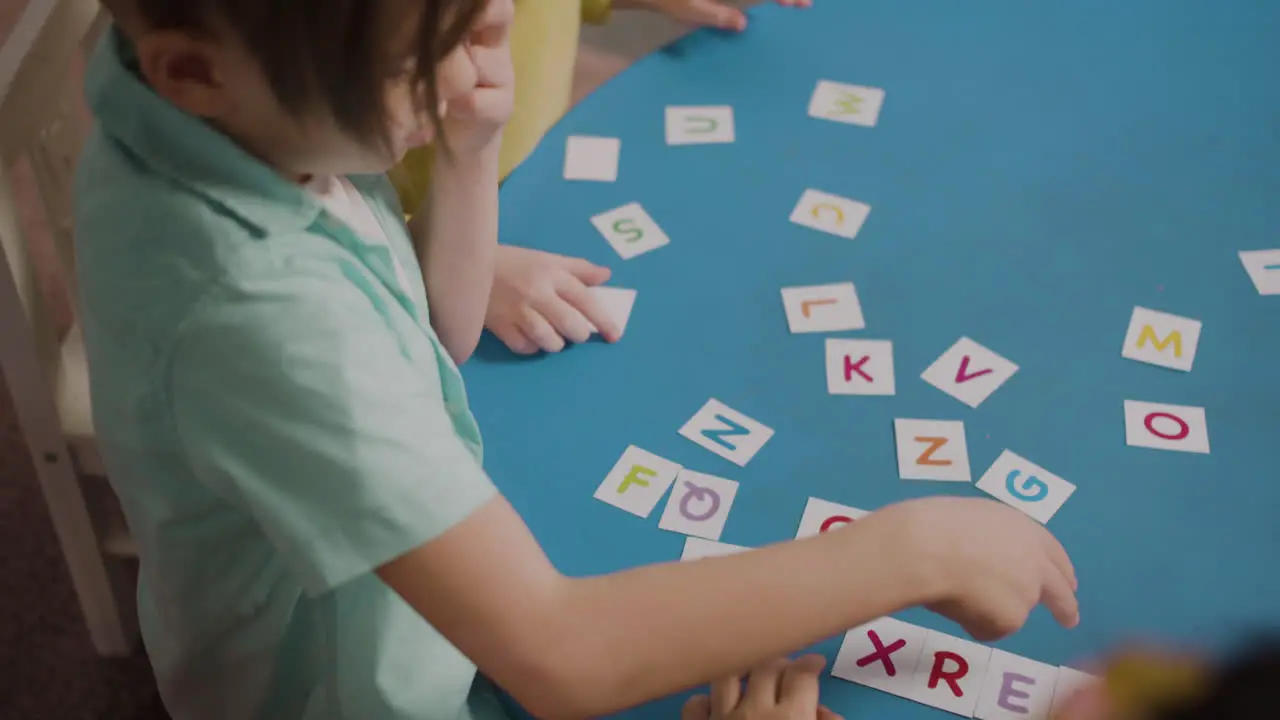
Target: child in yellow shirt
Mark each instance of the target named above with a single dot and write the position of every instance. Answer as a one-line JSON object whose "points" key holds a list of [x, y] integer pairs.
{"points": [[540, 300]]}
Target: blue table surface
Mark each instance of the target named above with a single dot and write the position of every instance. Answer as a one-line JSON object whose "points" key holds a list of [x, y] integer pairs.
{"points": [[1038, 170]]}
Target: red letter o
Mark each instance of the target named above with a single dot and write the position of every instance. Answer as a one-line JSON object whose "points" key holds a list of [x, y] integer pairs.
{"points": [[834, 520], [1183, 428]]}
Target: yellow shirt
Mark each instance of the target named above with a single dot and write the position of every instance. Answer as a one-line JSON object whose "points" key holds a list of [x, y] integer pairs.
{"points": [[544, 46]]}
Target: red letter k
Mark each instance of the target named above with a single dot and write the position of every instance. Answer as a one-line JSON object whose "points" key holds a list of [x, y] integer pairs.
{"points": [[851, 367], [882, 653]]}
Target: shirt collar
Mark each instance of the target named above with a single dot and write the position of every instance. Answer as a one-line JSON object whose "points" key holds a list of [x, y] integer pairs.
{"points": [[187, 150]]}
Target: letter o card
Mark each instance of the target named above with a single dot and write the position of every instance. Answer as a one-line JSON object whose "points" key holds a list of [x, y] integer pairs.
{"points": [[881, 654], [1162, 339], [949, 673], [932, 450], [1026, 486], [1166, 427], [699, 505], [637, 482], [969, 372], [822, 516], [860, 367], [630, 230], [1016, 688], [830, 213]]}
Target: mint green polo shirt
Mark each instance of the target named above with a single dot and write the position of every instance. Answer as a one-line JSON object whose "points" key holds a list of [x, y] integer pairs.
{"points": [[278, 418]]}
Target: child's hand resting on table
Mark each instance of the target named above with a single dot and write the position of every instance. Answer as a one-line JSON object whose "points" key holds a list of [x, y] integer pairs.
{"points": [[709, 13], [541, 300], [780, 690]]}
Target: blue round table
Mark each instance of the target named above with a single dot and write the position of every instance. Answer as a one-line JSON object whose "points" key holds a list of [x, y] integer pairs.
{"points": [[1038, 170]]}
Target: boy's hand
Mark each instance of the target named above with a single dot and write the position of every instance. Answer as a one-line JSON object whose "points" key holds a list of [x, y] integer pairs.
{"points": [[780, 690], [708, 13], [987, 564], [539, 300], [472, 121]]}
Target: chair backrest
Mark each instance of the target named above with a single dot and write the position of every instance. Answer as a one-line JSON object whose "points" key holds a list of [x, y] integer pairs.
{"points": [[42, 127]]}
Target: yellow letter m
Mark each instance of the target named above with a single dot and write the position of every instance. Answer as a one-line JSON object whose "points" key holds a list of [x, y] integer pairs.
{"points": [[1149, 333]]}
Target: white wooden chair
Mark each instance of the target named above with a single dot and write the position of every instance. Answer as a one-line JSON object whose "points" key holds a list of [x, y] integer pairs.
{"points": [[42, 127]]}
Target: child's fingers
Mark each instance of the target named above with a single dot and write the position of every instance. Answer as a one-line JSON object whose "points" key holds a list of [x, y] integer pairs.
{"points": [[536, 328], [514, 338], [826, 713], [796, 3], [568, 322], [697, 707], [762, 686], [586, 271], [1059, 597], [725, 695], [711, 13], [588, 309], [799, 684]]}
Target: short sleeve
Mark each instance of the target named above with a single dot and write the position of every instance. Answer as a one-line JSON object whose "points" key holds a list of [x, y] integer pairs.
{"points": [[293, 397], [596, 12]]}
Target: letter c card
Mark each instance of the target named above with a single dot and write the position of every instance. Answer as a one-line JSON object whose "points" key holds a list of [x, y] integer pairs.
{"points": [[824, 516]]}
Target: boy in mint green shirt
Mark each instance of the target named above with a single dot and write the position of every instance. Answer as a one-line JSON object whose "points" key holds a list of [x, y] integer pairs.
{"points": [[276, 392]]}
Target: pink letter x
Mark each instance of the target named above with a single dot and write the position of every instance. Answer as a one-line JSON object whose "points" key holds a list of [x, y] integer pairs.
{"points": [[882, 653], [851, 367]]}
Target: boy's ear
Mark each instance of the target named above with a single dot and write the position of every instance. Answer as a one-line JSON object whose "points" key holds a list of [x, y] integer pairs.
{"points": [[184, 70]]}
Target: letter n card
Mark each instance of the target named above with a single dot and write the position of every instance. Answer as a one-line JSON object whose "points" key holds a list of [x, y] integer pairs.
{"points": [[727, 432]]}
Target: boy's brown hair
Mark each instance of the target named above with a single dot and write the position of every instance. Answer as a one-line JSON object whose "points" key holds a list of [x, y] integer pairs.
{"points": [[328, 55]]}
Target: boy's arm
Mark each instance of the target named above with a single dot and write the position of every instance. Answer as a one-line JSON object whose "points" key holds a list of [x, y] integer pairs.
{"points": [[456, 234], [588, 647]]}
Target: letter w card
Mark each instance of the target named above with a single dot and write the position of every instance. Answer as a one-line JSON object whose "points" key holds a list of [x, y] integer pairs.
{"points": [[1021, 483]]}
